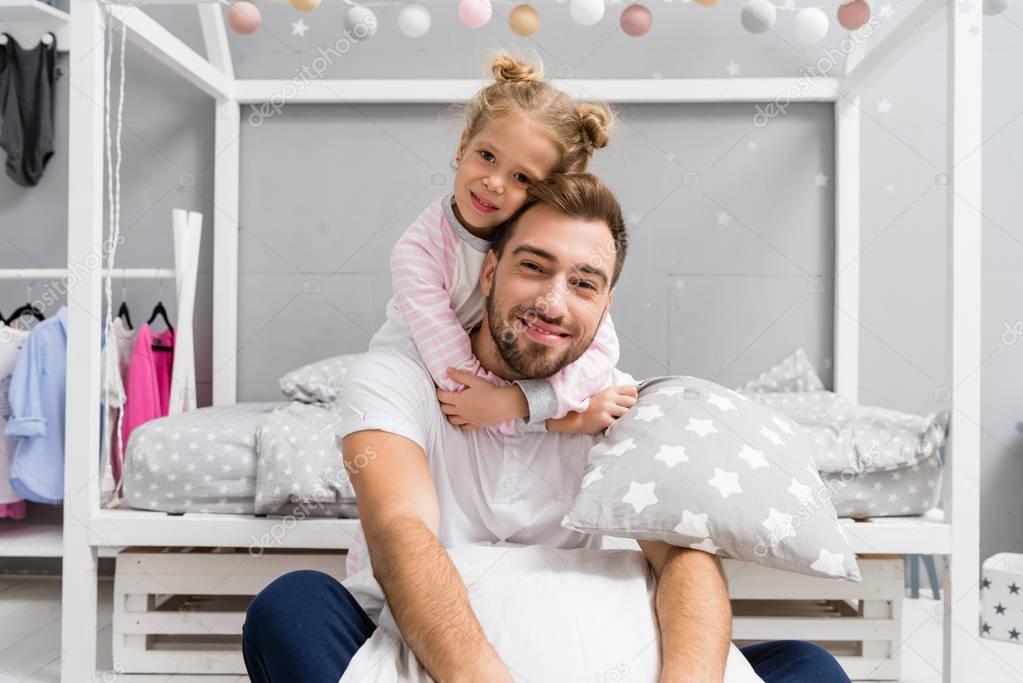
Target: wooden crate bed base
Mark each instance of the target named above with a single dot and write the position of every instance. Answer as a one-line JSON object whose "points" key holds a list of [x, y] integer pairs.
{"points": [[181, 610]]}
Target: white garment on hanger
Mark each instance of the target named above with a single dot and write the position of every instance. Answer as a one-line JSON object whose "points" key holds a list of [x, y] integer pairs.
{"points": [[187, 239], [11, 341], [113, 396]]}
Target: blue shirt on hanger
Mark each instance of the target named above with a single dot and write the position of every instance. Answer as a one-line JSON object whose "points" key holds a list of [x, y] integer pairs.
{"points": [[37, 412]]}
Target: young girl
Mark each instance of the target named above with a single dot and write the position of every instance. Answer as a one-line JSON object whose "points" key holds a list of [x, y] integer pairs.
{"points": [[519, 131]]}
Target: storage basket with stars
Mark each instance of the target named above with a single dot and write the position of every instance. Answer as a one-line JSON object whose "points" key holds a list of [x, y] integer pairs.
{"points": [[1001, 597]]}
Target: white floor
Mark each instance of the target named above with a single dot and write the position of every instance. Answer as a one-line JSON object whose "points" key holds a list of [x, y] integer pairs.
{"points": [[30, 637]]}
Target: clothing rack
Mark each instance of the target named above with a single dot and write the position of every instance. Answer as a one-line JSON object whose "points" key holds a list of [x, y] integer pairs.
{"points": [[31, 21], [53, 273], [953, 534], [44, 538]]}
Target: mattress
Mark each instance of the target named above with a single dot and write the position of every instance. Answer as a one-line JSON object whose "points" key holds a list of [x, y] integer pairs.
{"points": [[204, 461]]}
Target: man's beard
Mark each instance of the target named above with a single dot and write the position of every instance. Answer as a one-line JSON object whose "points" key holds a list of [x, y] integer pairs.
{"points": [[529, 358]]}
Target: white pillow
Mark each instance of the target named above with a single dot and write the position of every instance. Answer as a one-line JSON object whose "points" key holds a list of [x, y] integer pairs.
{"points": [[552, 615]]}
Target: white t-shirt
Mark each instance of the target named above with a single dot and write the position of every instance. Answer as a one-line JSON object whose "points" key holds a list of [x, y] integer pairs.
{"points": [[490, 487]]}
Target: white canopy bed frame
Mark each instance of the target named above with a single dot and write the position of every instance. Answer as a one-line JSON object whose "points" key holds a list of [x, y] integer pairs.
{"points": [[88, 528]]}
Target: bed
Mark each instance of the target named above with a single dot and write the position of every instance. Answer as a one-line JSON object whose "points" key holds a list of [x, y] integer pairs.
{"points": [[89, 526]]}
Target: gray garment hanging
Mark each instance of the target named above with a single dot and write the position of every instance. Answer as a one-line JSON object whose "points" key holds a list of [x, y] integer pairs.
{"points": [[26, 104]]}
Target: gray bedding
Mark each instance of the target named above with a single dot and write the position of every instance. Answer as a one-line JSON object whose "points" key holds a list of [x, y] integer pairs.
{"points": [[280, 458], [198, 461], [876, 462], [250, 458]]}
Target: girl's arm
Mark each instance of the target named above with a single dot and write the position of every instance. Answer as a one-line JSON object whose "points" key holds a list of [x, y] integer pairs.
{"points": [[421, 265]]}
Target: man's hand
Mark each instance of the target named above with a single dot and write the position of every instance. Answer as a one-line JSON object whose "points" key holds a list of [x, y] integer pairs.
{"points": [[481, 403], [605, 407]]}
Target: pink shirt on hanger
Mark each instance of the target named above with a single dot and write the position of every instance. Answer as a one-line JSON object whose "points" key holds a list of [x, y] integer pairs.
{"points": [[148, 383]]}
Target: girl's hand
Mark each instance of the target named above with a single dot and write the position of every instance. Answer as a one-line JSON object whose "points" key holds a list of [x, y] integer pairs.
{"points": [[605, 407], [481, 403]]}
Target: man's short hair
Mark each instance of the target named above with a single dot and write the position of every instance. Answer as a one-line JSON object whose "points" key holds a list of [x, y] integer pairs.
{"points": [[579, 195]]}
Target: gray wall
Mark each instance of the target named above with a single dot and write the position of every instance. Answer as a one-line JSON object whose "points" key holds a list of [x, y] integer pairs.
{"points": [[326, 190]]}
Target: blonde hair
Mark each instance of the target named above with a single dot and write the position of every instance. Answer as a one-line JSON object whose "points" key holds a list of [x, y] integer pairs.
{"points": [[577, 128], [579, 195]]}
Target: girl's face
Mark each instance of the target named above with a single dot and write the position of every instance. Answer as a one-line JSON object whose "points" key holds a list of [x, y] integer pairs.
{"points": [[496, 168]]}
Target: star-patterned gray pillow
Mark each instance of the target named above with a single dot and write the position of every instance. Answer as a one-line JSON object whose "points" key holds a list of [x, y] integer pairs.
{"points": [[318, 382], [795, 373], [700, 466]]}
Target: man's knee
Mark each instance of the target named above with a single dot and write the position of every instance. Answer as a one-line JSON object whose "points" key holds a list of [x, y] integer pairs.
{"points": [[274, 605], [814, 657]]}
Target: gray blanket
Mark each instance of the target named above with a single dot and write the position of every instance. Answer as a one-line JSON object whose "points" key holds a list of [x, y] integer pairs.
{"points": [[299, 468]]}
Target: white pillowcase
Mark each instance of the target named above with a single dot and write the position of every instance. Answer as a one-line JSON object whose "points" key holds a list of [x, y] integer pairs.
{"points": [[552, 615]]}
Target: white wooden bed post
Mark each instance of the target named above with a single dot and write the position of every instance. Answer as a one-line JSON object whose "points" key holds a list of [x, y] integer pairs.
{"points": [[961, 480], [846, 360], [225, 212], [85, 254]]}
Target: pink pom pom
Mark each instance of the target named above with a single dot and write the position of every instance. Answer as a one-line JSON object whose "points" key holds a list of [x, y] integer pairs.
{"points": [[244, 17], [636, 20], [474, 13], [853, 15]]}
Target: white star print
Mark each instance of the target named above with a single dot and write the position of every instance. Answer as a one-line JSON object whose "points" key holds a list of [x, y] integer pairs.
{"points": [[832, 564], [779, 524], [693, 524], [592, 476], [640, 495], [772, 436], [648, 413], [733, 68], [802, 492], [754, 457], [752, 146], [721, 403], [701, 427], [725, 482], [620, 447], [672, 455], [724, 218], [820, 180], [669, 391], [883, 106], [783, 425], [706, 545]]}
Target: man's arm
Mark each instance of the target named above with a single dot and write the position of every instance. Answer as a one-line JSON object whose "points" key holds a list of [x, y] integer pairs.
{"points": [[399, 513], [694, 613]]}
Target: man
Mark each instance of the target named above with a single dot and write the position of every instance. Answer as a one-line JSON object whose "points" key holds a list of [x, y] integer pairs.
{"points": [[424, 484]]}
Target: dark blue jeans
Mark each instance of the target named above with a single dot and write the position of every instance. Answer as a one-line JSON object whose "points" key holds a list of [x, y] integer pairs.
{"points": [[306, 627]]}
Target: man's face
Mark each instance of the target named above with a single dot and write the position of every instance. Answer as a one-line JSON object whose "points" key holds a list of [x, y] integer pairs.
{"points": [[548, 293]]}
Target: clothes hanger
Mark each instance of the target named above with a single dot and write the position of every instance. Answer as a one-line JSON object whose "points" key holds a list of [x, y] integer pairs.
{"points": [[161, 310], [27, 309], [122, 312]]}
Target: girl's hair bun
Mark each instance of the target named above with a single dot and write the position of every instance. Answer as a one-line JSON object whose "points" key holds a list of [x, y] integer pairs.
{"points": [[597, 122], [508, 69]]}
